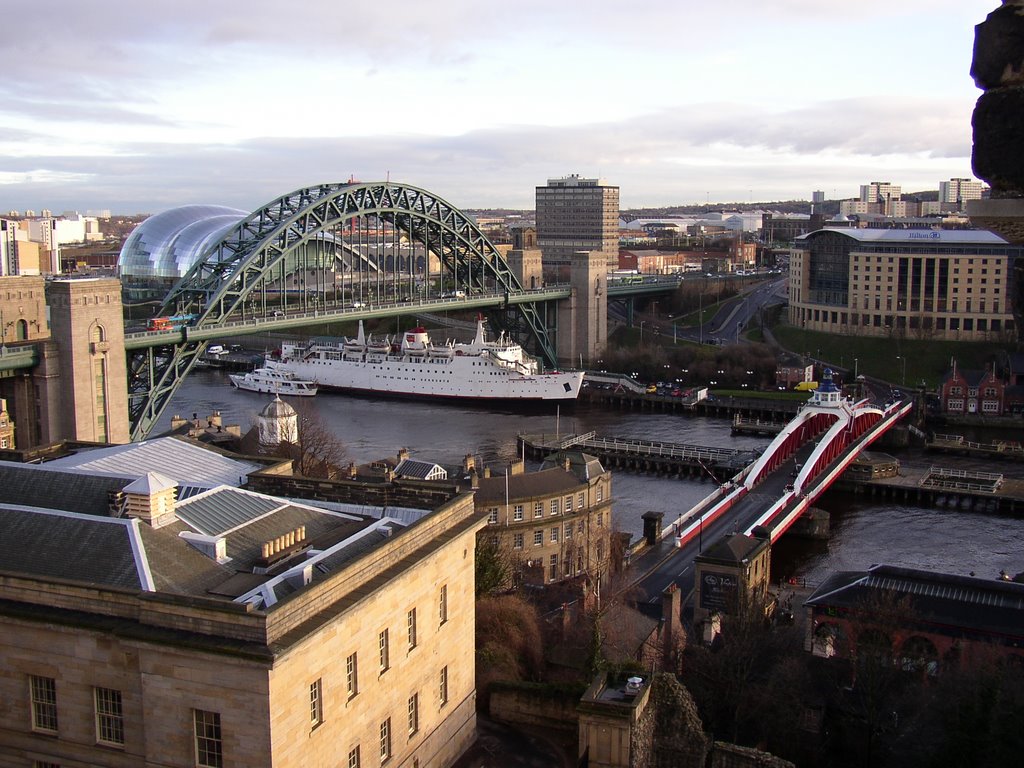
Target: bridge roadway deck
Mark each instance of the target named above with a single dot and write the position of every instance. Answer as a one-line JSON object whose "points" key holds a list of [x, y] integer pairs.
{"points": [[671, 559]]}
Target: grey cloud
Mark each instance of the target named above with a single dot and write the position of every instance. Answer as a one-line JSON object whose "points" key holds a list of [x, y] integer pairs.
{"points": [[661, 157]]}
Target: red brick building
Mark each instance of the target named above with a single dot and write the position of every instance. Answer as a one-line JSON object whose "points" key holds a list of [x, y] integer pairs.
{"points": [[972, 391]]}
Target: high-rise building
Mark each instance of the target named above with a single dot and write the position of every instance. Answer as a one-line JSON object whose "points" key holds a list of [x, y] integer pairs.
{"points": [[959, 190], [576, 214], [879, 192], [818, 196]]}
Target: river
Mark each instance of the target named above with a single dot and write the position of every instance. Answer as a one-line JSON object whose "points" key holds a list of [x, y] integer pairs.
{"points": [[863, 532]]}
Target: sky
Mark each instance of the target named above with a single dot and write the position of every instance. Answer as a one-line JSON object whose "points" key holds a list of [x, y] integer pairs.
{"points": [[138, 107]]}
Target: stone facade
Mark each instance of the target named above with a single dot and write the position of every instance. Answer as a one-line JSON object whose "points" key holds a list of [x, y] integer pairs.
{"points": [[90, 371], [553, 525], [272, 682], [731, 574], [583, 319]]}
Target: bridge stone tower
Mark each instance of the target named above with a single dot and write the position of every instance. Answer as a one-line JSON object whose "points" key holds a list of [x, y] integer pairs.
{"points": [[583, 319], [82, 382]]}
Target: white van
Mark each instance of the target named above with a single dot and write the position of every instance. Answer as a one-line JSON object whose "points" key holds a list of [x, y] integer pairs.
{"points": [[215, 349]]}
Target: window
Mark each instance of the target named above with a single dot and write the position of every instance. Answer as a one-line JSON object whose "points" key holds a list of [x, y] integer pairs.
{"points": [[414, 713], [517, 512], [109, 717], [316, 703], [553, 567], [353, 757], [43, 691], [410, 627], [443, 687], [538, 538], [517, 541], [600, 519], [580, 501], [568, 530], [352, 675], [384, 651], [568, 503], [538, 509], [492, 516], [209, 740], [554, 535], [600, 493], [442, 605], [385, 740], [554, 506]]}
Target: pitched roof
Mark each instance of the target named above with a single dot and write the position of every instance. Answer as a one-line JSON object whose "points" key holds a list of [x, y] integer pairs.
{"points": [[43, 485], [948, 602], [185, 461], [63, 545]]}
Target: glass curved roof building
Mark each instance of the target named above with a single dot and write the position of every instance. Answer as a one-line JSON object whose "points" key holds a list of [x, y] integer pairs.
{"points": [[166, 245]]}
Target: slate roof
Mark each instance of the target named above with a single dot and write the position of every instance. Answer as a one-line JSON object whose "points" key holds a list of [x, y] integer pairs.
{"points": [[545, 482], [42, 485], [734, 548], [181, 459], [95, 550], [950, 603], [419, 469]]}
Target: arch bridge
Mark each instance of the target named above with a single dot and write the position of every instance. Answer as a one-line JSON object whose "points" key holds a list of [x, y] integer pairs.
{"points": [[346, 250]]}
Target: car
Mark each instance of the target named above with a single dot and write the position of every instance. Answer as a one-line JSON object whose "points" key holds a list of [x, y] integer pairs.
{"points": [[788, 489], [358, 305], [677, 393], [215, 349], [652, 389], [236, 348]]}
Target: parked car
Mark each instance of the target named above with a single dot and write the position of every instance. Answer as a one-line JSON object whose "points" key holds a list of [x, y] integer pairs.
{"points": [[215, 349]]}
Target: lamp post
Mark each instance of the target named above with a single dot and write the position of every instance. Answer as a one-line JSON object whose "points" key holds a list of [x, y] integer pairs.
{"points": [[642, 332], [855, 369], [903, 379]]}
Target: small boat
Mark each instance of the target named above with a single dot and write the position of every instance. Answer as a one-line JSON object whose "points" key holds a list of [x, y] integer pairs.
{"points": [[274, 378]]}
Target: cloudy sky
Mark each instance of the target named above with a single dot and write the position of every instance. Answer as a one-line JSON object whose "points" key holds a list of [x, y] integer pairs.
{"points": [[143, 106]]}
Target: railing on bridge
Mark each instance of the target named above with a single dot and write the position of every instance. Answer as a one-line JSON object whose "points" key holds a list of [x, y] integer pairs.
{"points": [[665, 450], [962, 480]]}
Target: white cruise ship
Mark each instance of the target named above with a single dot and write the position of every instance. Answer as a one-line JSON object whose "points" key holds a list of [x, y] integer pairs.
{"points": [[413, 366]]}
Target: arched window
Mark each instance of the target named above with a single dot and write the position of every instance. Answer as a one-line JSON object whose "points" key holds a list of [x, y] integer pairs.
{"points": [[97, 333], [21, 330]]}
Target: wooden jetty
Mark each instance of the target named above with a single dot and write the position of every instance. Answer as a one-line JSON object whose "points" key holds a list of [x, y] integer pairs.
{"points": [[956, 444], [942, 487]]}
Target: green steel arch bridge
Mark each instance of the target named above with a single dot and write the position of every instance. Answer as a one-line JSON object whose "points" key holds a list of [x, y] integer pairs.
{"points": [[334, 251]]}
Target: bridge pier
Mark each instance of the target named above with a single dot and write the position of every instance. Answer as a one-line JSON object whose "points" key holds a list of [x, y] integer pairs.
{"points": [[583, 317]]}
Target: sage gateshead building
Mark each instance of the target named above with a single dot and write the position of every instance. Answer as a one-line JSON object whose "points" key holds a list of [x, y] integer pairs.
{"points": [[922, 284]]}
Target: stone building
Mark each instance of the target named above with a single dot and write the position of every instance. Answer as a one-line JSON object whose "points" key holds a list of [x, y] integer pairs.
{"points": [[555, 524], [76, 389], [731, 575], [227, 627]]}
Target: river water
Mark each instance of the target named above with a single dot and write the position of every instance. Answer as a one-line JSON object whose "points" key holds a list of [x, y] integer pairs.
{"points": [[864, 532]]}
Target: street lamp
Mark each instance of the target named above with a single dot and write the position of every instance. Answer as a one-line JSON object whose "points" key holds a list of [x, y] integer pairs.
{"points": [[855, 369], [903, 380], [642, 331]]}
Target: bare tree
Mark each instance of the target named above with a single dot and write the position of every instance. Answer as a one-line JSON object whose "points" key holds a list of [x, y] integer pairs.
{"points": [[319, 452]]}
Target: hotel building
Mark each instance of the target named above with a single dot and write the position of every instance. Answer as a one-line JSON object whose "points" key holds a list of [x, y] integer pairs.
{"points": [[576, 214], [922, 284]]}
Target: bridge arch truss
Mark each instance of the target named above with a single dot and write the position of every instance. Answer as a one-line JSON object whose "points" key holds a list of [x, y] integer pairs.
{"points": [[343, 244]]}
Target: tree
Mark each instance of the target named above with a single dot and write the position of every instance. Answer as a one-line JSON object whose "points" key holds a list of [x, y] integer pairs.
{"points": [[319, 452], [493, 566]]}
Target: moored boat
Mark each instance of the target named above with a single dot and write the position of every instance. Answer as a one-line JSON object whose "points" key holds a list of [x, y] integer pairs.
{"points": [[414, 366], [276, 379]]}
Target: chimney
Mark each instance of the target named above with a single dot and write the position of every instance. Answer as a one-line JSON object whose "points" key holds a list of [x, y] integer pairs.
{"points": [[177, 421], [487, 471], [352, 469], [468, 463], [403, 454]]}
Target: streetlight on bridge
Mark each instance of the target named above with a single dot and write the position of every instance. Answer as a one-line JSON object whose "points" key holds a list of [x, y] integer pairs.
{"points": [[903, 380]]}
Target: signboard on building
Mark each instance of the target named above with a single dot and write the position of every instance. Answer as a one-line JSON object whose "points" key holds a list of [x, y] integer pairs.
{"points": [[718, 590]]}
